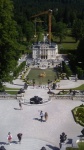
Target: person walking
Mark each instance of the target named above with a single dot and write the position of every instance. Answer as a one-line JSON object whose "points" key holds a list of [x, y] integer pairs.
{"points": [[9, 138], [41, 115], [19, 135], [2, 148], [46, 116], [20, 104], [43, 148]]}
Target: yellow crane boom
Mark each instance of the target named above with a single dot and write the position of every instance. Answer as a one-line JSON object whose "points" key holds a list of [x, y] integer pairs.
{"points": [[49, 12]]}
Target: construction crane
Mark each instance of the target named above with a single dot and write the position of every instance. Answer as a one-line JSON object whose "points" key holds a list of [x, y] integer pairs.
{"points": [[49, 12], [35, 25]]}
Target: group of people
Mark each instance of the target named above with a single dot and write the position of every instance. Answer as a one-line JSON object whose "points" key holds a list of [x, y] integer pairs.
{"points": [[9, 137], [43, 115]]}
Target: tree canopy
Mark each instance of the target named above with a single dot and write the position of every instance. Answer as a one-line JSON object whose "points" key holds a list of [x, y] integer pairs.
{"points": [[66, 11], [8, 39], [16, 25], [78, 29], [80, 51], [60, 30]]}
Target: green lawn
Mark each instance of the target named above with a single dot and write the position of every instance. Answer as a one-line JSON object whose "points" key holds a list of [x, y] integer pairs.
{"points": [[68, 43], [68, 39], [70, 148], [70, 46], [6, 88], [80, 144], [81, 87], [12, 92], [34, 74]]}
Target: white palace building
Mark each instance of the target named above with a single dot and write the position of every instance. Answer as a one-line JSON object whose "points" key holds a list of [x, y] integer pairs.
{"points": [[44, 50]]}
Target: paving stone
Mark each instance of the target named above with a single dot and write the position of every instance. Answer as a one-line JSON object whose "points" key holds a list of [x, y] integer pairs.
{"points": [[36, 133]]}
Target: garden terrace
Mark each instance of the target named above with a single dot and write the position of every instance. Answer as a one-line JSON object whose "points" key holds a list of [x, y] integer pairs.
{"points": [[50, 74]]}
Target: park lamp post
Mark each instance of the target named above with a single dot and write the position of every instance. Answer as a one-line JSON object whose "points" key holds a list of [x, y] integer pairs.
{"points": [[76, 77], [79, 63], [80, 67], [60, 65], [33, 82]]}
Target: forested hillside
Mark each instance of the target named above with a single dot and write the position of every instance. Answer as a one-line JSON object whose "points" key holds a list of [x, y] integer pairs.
{"points": [[67, 24], [18, 30], [66, 11], [28, 7]]}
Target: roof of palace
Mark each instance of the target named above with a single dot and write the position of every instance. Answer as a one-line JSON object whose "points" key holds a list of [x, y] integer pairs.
{"points": [[44, 44]]}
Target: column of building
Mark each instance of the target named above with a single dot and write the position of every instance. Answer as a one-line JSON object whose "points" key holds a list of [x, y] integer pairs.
{"points": [[40, 53]]}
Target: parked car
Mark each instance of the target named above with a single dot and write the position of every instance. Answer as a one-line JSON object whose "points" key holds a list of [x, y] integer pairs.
{"points": [[36, 100]]}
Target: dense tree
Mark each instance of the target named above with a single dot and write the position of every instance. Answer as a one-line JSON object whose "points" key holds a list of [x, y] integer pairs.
{"points": [[53, 23], [60, 30], [79, 72], [29, 29], [66, 15], [23, 10], [80, 51], [66, 69], [63, 10], [20, 33], [78, 29], [73, 16], [8, 34], [72, 61]]}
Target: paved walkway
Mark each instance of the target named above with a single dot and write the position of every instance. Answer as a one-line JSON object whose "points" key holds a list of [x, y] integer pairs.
{"points": [[67, 84], [27, 72], [36, 133], [64, 84]]}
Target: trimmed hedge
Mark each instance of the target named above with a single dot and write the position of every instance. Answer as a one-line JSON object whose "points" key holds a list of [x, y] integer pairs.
{"points": [[18, 69], [78, 114]]}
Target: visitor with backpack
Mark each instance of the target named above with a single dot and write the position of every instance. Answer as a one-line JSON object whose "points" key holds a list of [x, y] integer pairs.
{"points": [[41, 115], [2, 148], [46, 116], [9, 138], [43, 148], [19, 135]]}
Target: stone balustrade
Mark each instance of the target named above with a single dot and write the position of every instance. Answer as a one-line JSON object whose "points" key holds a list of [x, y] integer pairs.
{"points": [[75, 97], [7, 97]]}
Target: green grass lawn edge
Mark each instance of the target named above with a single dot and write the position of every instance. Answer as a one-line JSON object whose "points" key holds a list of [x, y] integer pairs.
{"points": [[71, 148], [6, 88], [80, 147], [12, 92]]}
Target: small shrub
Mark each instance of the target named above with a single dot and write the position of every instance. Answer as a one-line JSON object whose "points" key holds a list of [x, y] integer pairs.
{"points": [[78, 114]]}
